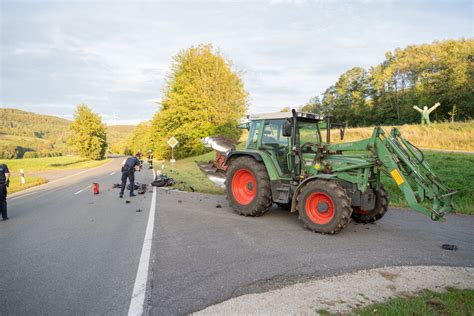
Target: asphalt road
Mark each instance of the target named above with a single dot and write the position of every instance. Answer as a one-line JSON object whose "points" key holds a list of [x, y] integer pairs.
{"points": [[203, 255], [66, 251]]}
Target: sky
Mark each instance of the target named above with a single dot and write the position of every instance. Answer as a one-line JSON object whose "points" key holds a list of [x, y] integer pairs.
{"points": [[115, 56]]}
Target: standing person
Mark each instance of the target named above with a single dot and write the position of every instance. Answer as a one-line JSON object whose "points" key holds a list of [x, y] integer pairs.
{"points": [[150, 158], [129, 166], [4, 183]]}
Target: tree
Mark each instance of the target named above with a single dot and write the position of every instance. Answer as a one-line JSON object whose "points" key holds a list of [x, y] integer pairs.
{"points": [[89, 135], [203, 97], [418, 75]]}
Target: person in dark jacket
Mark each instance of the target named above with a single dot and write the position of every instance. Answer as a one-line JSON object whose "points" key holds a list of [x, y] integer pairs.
{"points": [[4, 183], [129, 166]]}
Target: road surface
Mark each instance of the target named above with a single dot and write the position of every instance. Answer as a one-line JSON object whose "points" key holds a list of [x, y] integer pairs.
{"points": [[203, 253], [66, 251]]}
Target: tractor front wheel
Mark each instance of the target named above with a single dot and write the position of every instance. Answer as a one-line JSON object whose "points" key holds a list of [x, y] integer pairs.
{"points": [[248, 187], [324, 206], [381, 207]]}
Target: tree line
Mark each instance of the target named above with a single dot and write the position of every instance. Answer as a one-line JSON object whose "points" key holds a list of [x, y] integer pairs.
{"points": [[420, 75]]}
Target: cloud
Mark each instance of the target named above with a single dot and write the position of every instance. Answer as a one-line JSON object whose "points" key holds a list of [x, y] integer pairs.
{"points": [[116, 57]]}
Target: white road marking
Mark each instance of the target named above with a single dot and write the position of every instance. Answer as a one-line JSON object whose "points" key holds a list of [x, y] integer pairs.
{"points": [[87, 187], [139, 289], [113, 173]]}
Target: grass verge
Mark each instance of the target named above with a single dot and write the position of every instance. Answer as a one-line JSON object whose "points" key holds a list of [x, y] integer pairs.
{"points": [[51, 163], [44, 164], [427, 303], [188, 175], [15, 185]]}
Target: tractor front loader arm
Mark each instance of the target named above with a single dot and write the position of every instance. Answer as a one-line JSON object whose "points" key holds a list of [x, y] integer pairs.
{"points": [[406, 165]]}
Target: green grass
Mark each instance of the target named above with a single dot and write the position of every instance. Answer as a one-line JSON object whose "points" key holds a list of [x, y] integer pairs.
{"points": [[427, 303], [44, 164], [188, 175], [15, 185], [455, 170], [51, 163]]}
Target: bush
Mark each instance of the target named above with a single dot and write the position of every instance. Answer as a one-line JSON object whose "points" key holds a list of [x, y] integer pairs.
{"points": [[30, 154]]}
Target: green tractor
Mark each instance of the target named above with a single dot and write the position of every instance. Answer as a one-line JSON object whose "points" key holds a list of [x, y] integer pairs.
{"points": [[289, 160]]}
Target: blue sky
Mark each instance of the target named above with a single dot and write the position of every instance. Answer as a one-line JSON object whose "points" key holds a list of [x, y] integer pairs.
{"points": [[115, 55]]}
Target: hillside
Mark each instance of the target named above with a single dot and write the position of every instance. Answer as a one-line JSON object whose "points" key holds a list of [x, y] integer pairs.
{"points": [[117, 136], [22, 131]]}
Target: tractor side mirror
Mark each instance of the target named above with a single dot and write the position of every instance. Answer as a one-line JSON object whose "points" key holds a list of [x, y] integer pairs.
{"points": [[287, 127]]}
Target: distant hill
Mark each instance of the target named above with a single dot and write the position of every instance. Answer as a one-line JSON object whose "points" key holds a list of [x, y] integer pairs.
{"points": [[117, 136], [22, 131]]}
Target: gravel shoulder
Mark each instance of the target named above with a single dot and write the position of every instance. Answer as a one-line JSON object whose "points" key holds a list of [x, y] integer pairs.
{"points": [[340, 294]]}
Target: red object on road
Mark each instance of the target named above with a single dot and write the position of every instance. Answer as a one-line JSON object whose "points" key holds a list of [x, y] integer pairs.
{"points": [[95, 188]]}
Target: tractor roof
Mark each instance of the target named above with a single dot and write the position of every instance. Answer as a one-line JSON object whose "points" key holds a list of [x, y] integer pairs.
{"points": [[282, 115]]}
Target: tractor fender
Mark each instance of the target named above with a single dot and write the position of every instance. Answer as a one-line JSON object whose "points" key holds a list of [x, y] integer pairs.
{"points": [[303, 183], [260, 157], [238, 153]]}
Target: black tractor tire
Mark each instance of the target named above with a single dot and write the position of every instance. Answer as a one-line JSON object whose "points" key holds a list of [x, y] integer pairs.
{"points": [[248, 187], [324, 206], [381, 207]]}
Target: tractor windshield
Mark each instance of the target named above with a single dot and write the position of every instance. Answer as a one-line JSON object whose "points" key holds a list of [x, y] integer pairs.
{"points": [[308, 132]]}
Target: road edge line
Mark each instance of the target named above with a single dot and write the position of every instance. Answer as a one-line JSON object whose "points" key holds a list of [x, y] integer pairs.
{"points": [[137, 301]]}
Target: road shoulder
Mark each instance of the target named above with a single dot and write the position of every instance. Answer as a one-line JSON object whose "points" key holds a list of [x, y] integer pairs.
{"points": [[340, 294]]}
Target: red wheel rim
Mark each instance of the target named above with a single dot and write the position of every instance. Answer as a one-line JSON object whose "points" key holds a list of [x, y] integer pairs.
{"points": [[244, 186], [319, 208]]}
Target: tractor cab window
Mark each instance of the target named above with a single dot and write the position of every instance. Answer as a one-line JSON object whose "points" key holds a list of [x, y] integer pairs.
{"points": [[307, 133], [253, 134], [275, 143]]}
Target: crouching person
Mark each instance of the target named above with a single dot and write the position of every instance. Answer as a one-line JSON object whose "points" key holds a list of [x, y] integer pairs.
{"points": [[129, 166]]}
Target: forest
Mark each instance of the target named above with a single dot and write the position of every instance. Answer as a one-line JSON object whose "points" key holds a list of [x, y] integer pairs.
{"points": [[418, 75]]}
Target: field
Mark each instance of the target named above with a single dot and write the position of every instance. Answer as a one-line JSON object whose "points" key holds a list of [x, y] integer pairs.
{"points": [[446, 136], [34, 165], [451, 302]]}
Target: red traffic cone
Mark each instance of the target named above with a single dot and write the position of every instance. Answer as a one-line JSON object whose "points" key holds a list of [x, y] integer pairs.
{"points": [[95, 188]]}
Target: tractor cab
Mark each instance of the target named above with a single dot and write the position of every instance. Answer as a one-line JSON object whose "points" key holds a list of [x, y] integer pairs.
{"points": [[290, 138]]}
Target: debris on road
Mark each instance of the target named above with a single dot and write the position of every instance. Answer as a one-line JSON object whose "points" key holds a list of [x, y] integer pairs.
{"points": [[218, 206], [449, 247], [138, 211], [162, 181], [116, 186], [127, 201]]}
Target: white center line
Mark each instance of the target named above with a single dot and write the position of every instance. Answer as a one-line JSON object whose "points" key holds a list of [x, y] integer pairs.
{"points": [[139, 289], [87, 187]]}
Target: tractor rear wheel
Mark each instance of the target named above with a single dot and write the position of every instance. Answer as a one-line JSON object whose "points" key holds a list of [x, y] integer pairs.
{"points": [[248, 187], [381, 207], [324, 206]]}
